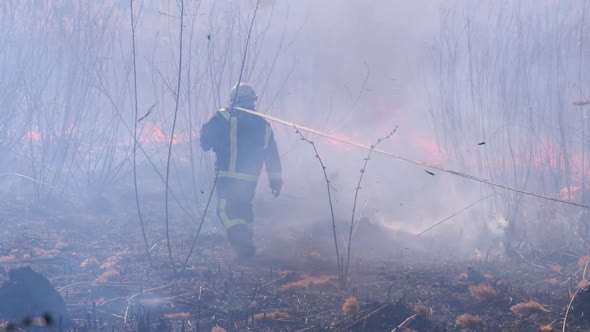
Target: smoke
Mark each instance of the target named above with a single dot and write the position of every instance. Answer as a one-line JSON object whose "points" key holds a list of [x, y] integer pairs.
{"points": [[460, 80], [448, 74]]}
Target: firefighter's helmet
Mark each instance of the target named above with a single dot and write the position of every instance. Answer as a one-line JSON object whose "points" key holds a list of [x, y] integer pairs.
{"points": [[245, 95]]}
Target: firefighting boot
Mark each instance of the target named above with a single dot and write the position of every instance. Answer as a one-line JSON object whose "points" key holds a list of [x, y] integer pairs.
{"points": [[241, 239]]}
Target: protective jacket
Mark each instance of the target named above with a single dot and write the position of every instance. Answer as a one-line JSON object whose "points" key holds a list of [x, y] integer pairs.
{"points": [[243, 143]]}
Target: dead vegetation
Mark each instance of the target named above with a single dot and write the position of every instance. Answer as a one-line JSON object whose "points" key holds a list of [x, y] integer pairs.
{"points": [[221, 295], [483, 292], [421, 309], [351, 306], [177, 315], [528, 308], [546, 328], [468, 321], [108, 276], [308, 281], [90, 263]]}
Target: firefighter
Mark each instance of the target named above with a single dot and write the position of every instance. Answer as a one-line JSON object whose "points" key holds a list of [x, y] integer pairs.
{"points": [[242, 143]]}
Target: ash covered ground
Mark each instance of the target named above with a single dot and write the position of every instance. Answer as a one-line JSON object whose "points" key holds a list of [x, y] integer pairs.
{"points": [[292, 285]]}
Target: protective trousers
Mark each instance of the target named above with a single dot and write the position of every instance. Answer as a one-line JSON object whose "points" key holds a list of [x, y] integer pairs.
{"points": [[236, 212]]}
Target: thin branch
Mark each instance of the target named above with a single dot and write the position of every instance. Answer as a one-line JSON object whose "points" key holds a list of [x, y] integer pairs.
{"points": [[405, 323], [148, 112], [141, 223], [172, 137], [356, 194], [317, 155], [569, 306]]}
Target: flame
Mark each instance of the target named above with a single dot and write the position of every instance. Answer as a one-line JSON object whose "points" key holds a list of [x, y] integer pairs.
{"points": [[37, 136], [33, 135], [573, 192], [153, 133]]}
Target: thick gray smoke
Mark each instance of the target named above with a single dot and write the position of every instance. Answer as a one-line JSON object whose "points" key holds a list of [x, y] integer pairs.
{"points": [[450, 75]]}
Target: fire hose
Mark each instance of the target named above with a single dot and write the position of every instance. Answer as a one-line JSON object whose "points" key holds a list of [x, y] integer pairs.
{"points": [[407, 160]]}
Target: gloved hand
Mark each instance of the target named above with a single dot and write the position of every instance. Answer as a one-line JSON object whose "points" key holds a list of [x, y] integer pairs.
{"points": [[276, 186]]}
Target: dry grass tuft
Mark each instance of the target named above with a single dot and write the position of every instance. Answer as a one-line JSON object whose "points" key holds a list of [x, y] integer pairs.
{"points": [[468, 321], [115, 259], [528, 308], [60, 244], [177, 315], [308, 282], [90, 263], [351, 306], [7, 258], [555, 268], [218, 329], [546, 328], [583, 261], [272, 315], [110, 263], [108, 275], [483, 292], [421, 309], [584, 284], [45, 253]]}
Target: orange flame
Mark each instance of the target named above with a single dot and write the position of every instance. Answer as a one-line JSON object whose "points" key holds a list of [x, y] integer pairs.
{"points": [[153, 133], [33, 135]]}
